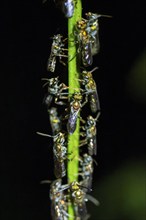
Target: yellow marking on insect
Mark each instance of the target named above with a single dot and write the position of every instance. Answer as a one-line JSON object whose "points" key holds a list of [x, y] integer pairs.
{"points": [[55, 120]]}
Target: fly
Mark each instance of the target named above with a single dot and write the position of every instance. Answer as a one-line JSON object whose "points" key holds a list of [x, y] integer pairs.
{"points": [[91, 89], [59, 152], [57, 50], [55, 120], [93, 30], [75, 106], [77, 197], [84, 43], [54, 90], [86, 167], [58, 201], [60, 155], [90, 135]]}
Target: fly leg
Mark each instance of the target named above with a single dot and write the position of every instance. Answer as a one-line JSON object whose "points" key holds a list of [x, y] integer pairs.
{"points": [[83, 142]]}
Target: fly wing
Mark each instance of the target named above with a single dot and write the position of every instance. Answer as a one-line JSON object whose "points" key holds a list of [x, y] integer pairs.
{"points": [[71, 124], [53, 210], [51, 63], [55, 124], [92, 146], [95, 145], [82, 209], [48, 100], [95, 45], [94, 102], [87, 182], [87, 58], [68, 8], [59, 168]]}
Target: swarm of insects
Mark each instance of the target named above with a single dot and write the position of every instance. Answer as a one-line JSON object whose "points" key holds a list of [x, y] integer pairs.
{"points": [[73, 193]]}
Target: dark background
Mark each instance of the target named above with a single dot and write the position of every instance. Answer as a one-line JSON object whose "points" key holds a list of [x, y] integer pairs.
{"points": [[25, 158]]}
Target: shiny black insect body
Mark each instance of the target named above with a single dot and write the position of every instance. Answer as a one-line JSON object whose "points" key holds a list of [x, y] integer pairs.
{"points": [[75, 106], [91, 89], [55, 120], [55, 90], [90, 135], [57, 50], [86, 168]]}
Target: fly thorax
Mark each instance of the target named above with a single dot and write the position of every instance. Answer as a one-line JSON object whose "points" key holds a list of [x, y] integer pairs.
{"points": [[92, 84], [93, 130]]}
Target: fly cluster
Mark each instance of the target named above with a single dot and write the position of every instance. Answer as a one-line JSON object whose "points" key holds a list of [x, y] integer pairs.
{"points": [[77, 193]]}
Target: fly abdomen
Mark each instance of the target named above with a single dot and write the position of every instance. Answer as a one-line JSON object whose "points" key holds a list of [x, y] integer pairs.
{"points": [[94, 102], [51, 64], [87, 58], [59, 169], [48, 100], [92, 146], [68, 8], [71, 125]]}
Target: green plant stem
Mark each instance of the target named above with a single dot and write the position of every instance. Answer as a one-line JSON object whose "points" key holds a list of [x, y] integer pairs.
{"points": [[73, 75]]}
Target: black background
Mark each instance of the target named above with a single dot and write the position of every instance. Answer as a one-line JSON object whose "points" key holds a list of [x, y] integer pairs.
{"points": [[25, 158]]}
